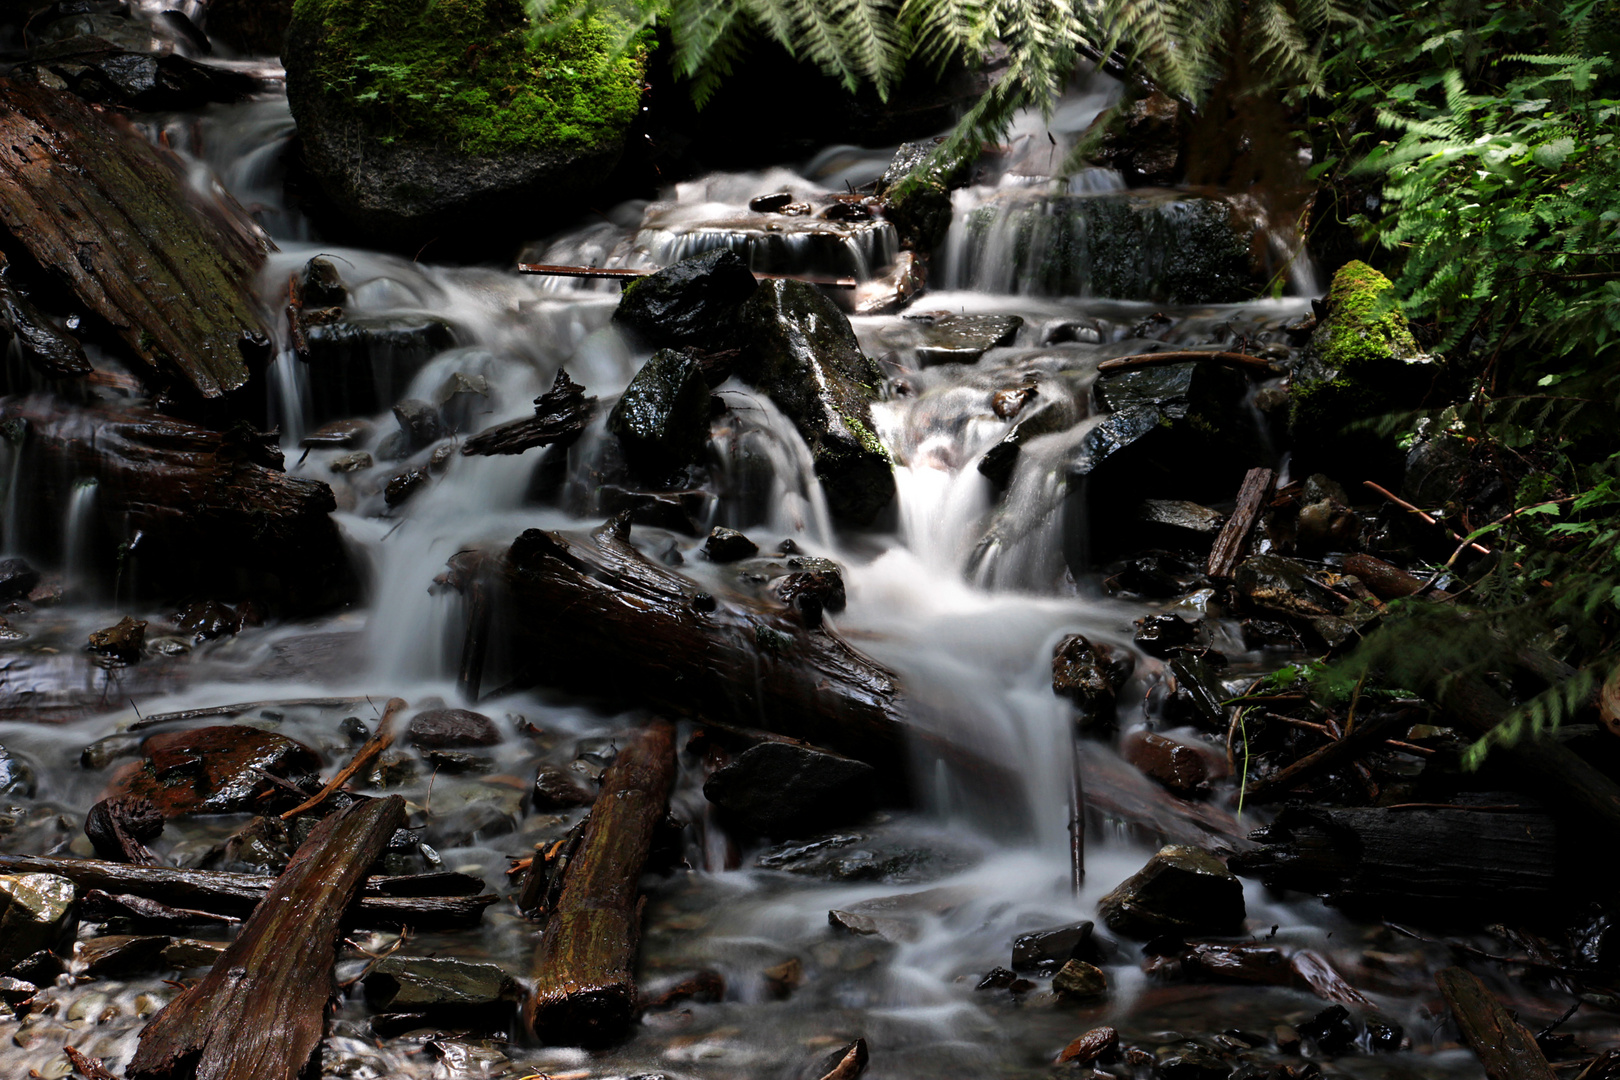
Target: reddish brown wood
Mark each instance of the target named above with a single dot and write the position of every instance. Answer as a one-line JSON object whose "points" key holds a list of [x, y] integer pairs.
{"points": [[585, 991], [1233, 540], [374, 746], [260, 1011], [1120, 365], [1504, 1047], [561, 414]]}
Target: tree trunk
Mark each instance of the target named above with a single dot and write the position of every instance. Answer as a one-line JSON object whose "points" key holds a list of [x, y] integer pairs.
{"points": [[585, 991], [260, 1011], [1506, 1049]]}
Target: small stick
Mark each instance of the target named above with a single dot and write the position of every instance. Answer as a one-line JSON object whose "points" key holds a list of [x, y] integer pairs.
{"points": [[623, 273], [244, 706], [1404, 505], [362, 757], [1120, 365]]}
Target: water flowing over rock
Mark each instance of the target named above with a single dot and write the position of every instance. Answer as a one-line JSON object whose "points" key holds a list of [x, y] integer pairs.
{"points": [[662, 420], [784, 788]]}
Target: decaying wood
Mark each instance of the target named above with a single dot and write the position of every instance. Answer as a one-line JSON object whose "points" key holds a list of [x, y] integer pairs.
{"points": [[1504, 1047], [1484, 860], [597, 616], [99, 207], [53, 353], [240, 707], [1358, 740], [585, 991], [381, 903], [260, 1011], [1122, 364], [374, 746], [1386, 581], [1233, 540], [561, 414], [201, 511], [88, 1067], [117, 828], [626, 274]]}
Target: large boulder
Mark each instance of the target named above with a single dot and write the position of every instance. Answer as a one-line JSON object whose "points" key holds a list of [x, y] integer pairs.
{"points": [[690, 304], [422, 122], [1181, 890], [662, 420], [799, 348]]}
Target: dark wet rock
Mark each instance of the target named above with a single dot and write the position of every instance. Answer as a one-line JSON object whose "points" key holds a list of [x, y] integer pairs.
{"points": [[120, 827], [692, 303], [849, 209], [432, 984], [348, 463], [441, 729], [953, 338], [113, 955], [1043, 952], [781, 980], [17, 994], [891, 290], [857, 857], [770, 204], [811, 592], [462, 399], [442, 455], [358, 363], [1198, 695], [799, 349], [37, 911], [1090, 674], [17, 778], [1097, 1043], [105, 751], [1332, 1030], [1177, 523], [402, 486], [997, 978], [338, 433], [49, 350], [555, 789], [1008, 403], [103, 72], [1268, 634], [262, 846], [1182, 768], [1192, 1063], [213, 770], [1164, 635], [1081, 982], [40, 968], [1049, 415], [320, 284], [918, 200], [600, 751], [1144, 139], [123, 641], [1284, 586], [1154, 575], [1384, 1036], [662, 420], [206, 619], [1080, 331], [1181, 890], [728, 545], [184, 953], [420, 423], [788, 788]]}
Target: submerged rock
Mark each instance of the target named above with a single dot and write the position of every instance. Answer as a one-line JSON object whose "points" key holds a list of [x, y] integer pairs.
{"points": [[358, 363], [37, 911], [952, 338], [662, 420], [1081, 982], [1181, 890], [1090, 675], [1043, 952], [692, 303], [122, 642], [436, 984], [799, 349], [784, 788], [728, 545]]}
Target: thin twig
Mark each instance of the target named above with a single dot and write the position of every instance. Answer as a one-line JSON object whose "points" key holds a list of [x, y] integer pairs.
{"points": [[362, 757]]}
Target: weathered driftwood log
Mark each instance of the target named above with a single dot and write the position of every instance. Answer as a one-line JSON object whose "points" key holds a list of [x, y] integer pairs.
{"points": [[1233, 540], [260, 1011], [561, 414], [1503, 1045], [383, 901], [598, 617], [118, 827], [199, 510], [585, 991], [1496, 859], [102, 209]]}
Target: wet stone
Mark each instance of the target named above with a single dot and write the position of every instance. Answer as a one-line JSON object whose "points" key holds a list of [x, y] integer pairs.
{"points": [[184, 953], [420, 423], [1154, 575], [1180, 520], [122, 642], [770, 204], [206, 619], [121, 954], [662, 420], [349, 463], [1163, 635], [321, 285], [1096, 1043], [1090, 675], [339, 434], [17, 579], [262, 846], [17, 993], [554, 789], [461, 399], [1181, 890], [952, 338], [1081, 982], [858, 857], [213, 770], [441, 729], [1384, 1036], [1043, 952], [357, 363], [690, 303], [17, 778], [103, 752], [424, 984], [40, 968], [1192, 1064], [728, 545], [1198, 695], [1180, 768], [37, 911], [1332, 1030], [789, 788], [403, 485]]}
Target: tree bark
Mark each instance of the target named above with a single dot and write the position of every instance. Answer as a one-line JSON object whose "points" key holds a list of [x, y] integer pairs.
{"points": [[1233, 540], [585, 991], [1506, 1049], [101, 209], [260, 1011], [561, 414]]}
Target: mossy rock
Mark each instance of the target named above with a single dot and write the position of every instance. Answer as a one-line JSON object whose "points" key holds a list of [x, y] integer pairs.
{"points": [[1362, 362], [419, 120]]}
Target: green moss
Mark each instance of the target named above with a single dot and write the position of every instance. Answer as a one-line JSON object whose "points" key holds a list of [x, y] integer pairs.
{"points": [[865, 436], [1363, 324], [471, 74]]}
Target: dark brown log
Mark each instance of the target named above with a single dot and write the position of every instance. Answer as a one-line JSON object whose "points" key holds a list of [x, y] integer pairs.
{"points": [[260, 1011], [201, 511], [1477, 860], [102, 209], [585, 990], [118, 827], [88, 1067], [52, 352], [1233, 540], [374, 746], [1122, 364], [1504, 1047], [1385, 581], [1361, 738], [596, 616], [561, 414], [380, 903]]}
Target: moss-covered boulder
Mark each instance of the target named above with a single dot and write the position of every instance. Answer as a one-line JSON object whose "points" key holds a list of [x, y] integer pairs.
{"points": [[1362, 362], [799, 348], [424, 121]]}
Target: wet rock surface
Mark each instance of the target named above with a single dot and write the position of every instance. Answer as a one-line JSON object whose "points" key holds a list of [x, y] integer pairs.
{"points": [[213, 770], [37, 911], [443, 729], [950, 338], [784, 788], [662, 420], [1181, 890], [692, 303]]}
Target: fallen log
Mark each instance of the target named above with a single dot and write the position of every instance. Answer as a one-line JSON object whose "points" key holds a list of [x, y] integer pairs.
{"points": [[1386, 581], [181, 508], [260, 1011], [240, 707], [561, 415], [598, 617], [1120, 365], [1483, 860], [1504, 1047], [103, 210], [383, 901], [585, 990], [1233, 540]]}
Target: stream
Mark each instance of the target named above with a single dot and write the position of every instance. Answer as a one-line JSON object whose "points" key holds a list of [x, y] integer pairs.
{"points": [[960, 589]]}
